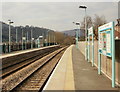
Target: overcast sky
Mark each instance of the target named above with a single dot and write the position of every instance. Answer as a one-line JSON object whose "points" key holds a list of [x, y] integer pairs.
{"points": [[57, 16]]}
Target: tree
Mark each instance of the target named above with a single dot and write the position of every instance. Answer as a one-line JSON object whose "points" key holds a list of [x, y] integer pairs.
{"points": [[63, 39], [98, 21], [89, 22]]}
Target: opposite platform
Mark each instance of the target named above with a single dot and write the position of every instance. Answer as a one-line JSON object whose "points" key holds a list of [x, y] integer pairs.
{"points": [[23, 51]]}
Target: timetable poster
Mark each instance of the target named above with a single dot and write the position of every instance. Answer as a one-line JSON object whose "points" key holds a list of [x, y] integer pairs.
{"points": [[104, 43]]}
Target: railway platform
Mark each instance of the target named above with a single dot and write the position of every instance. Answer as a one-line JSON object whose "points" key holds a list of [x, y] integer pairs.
{"points": [[74, 73]]}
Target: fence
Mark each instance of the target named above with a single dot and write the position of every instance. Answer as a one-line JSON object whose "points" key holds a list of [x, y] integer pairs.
{"points": [[106, 62]]}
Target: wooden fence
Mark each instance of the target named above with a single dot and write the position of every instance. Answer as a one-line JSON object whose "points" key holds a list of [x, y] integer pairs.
{"points": [[106, 62]]}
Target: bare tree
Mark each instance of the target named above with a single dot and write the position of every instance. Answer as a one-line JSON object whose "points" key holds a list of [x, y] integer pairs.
{"points": [[88, 20], [98, 21]]}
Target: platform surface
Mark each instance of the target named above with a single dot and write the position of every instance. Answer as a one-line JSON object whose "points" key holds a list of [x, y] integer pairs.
{"points": [[86, 77], [62, 77], [74, 73]]}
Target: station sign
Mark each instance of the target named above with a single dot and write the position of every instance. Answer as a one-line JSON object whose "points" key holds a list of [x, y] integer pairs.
{"points": [[33, 38], [90, 31], [40, 36], [24, 38]]}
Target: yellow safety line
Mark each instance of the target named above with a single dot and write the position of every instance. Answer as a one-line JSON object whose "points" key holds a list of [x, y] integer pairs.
{"points": [[69, 79]]}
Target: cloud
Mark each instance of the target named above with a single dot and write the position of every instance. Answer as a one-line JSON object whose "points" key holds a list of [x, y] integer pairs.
{"points": [[54, 15]]}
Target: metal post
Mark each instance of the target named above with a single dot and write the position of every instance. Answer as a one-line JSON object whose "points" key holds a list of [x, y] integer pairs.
{"points": [[16, 35], [113, 57], [25, 41], [9, 39], [99, 58], [54, 38], [10, 22], [22, 40], [43, 40], [86, 50], [76, 39], [92, 49], [1, 44], [99, 63], [27, 36], [79, 33], [31, 40], [46, 40], [49, 38]]}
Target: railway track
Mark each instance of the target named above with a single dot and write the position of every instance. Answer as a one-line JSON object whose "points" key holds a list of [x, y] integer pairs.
{"points": [[19, 65], [33, 76]]}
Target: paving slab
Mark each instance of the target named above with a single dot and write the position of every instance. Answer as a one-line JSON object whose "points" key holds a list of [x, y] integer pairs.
{"points": [[86, 76], [62, 77]]}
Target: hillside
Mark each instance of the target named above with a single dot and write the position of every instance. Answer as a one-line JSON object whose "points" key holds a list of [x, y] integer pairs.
{"points": [[72, 32], [37, 31]]}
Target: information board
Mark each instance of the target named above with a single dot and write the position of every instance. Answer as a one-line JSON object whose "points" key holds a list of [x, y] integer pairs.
{"points": [[105, 39], [91, 35], [90, 31], [107, 46]]}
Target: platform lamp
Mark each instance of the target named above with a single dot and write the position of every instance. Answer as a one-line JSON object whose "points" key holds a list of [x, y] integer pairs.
{"points": [[10, 22], [76, 23], [53, 37], [31, 39], [48, 38], [22, 39], [84, 7]]}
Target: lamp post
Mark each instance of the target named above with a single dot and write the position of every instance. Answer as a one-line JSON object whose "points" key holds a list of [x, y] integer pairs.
{"points": [[54, 38], [10, 22], [16, 35], [49, 38], [22, 39], [31, 40], [27, 37], [46, 38], [25, 41], [43, 40], [84, 7], [77, 23]]}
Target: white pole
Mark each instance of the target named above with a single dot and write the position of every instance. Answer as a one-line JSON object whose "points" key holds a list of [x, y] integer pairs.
{"points": [[16, 35], [9, 38], [85, 35], [22, 38], [27, 36], [31, 40], [54, 38]]}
